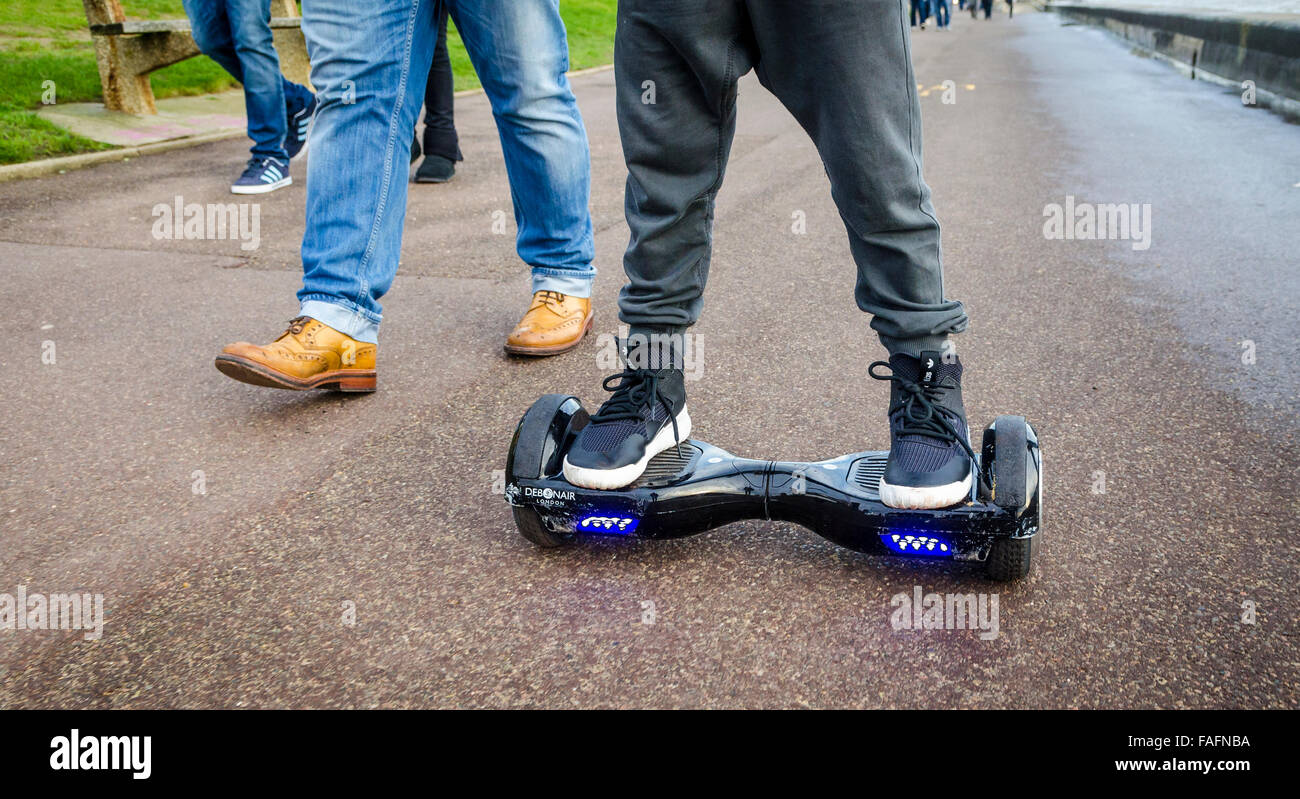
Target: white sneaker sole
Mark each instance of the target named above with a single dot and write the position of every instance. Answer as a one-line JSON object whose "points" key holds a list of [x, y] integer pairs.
{"points": [[607, 479], [263, 189], [926, 497]]}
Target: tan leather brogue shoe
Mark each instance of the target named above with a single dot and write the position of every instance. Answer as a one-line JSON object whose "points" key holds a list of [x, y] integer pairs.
{"points": [[554, 323], [310, 354]]}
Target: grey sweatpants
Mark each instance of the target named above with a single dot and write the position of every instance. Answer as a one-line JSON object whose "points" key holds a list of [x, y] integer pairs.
{"points": [[843, 68]]}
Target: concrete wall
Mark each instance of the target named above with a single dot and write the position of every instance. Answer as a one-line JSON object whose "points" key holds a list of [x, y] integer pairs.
{"points": [[1264, 48]]}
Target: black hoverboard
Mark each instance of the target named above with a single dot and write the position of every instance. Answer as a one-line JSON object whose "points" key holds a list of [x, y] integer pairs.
{"points": [[698, 487]]}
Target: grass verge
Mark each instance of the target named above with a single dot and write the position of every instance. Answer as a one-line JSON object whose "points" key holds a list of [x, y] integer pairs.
{"points": [[45, 45]]}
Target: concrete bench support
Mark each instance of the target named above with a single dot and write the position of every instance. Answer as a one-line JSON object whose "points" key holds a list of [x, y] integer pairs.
{"points": [[127, 51]]}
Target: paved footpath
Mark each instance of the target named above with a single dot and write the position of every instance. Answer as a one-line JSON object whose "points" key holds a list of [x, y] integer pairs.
{"points": [[1171, 459]]}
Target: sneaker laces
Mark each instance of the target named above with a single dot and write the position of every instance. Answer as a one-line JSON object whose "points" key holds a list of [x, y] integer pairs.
{"points": [[922, 415], [258, 163], [636, 389]]}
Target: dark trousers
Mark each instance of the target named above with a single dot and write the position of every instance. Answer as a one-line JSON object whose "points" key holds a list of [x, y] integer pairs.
{"points": [[844, 71], [439, 99], [920, 12]]}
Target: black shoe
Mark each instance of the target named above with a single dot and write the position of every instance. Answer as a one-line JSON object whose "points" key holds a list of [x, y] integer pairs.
{"points": [[435, 169], [646, 416], [415, 149], [298, 126], [931, 463]]}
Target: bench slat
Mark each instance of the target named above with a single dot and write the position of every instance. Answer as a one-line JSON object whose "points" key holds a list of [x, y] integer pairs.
{"points": [[170, 26]]}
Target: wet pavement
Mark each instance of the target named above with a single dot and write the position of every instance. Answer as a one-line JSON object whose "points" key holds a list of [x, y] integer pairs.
{"points": [[259, 548]]}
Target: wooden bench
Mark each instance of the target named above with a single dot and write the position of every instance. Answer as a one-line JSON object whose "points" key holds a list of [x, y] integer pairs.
{"points": [[128, 50]]}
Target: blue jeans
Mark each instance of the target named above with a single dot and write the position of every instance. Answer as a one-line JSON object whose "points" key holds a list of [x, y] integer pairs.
{"points": [[237, 35], [921, 10], [942, 12], [369, 65]]}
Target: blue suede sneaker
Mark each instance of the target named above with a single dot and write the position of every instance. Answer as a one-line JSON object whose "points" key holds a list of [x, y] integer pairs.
{"points": [[295, 140], [262, 176]]}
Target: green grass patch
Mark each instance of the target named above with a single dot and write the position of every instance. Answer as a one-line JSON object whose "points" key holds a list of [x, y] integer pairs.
{"points": [[47, 40], [590, 27], [44, 40], [26, 137]]}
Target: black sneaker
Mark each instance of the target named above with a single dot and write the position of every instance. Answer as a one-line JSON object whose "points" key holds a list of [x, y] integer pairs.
{"points": [[435, 169], [931, 463], [646, 416], [299, 125]]}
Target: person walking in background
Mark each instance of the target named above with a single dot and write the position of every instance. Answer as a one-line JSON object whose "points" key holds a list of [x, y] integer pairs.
{"points": [[987, 5], [441, 145], [370, 69], [942, 14], [920, 12], [237, 35]]}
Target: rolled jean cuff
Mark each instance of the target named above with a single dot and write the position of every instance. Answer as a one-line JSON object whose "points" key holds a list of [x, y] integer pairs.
{"points": [[573, 282], [914, 346], [347, 320]]}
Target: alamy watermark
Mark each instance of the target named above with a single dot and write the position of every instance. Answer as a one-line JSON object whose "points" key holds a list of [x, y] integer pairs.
{"points": [[34, 611], [683, 351], [180, 220], [77, 752], [1089, 221], [922, 611]]}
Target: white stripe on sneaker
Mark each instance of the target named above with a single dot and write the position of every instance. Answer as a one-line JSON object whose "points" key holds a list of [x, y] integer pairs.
{"points": [[254, 188]]}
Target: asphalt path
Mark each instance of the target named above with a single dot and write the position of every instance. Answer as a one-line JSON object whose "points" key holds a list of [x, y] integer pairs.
{"points": [[258, 548]]}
